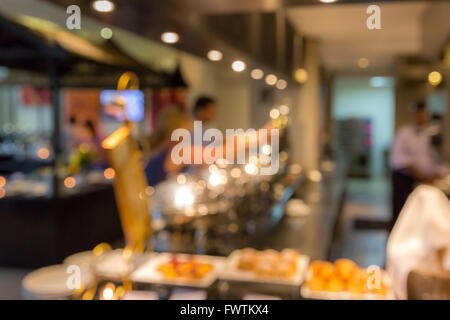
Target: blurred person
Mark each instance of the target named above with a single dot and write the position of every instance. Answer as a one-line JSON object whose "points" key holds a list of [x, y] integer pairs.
{"points": [[205, 109], [160, 164], [411, 159], [86, 149]]}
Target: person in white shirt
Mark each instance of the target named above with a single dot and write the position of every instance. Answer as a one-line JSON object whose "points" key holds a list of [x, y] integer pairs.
{"points": [[411, 159]]}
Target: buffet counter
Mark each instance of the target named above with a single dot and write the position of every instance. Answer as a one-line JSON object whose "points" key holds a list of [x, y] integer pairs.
{"points": [[38, 231], [311, 234]]}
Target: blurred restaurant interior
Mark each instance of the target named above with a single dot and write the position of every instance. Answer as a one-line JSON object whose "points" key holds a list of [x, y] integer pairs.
{"points": [[354, 95]]}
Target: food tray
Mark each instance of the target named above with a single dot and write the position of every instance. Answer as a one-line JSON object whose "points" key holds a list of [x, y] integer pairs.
{"points": [[232, 273]]}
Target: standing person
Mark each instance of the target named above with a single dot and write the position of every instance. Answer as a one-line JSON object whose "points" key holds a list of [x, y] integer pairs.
{"points": [[205, 109], [411, 159]]}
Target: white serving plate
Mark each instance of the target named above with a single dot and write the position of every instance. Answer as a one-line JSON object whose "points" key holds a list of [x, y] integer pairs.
{"points": [[110, 266], [148, 273], [51, 283], [232, 273], [344, 295]]}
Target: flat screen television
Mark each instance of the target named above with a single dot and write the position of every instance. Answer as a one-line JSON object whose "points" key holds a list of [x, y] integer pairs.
{"points": [[124, 104]]}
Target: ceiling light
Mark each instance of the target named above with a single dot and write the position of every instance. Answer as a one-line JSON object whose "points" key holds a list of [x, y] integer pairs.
{"points": [[434, 78], [281, 84], [170, 37], [327, 1], [238, 66], [103, 5], [106, 33], [257, 74], [215, 55], [274, 113], [363, 63], [271, 79], [301, 75], [284, 109]]}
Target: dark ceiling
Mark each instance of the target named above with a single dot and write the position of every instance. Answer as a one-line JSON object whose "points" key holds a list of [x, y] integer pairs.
{"points": [[257, 28]]}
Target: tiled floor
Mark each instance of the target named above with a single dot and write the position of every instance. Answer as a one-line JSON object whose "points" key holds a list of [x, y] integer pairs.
{"points": [[368, 199]]}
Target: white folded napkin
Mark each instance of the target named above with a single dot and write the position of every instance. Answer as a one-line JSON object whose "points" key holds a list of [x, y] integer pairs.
{"points": [[422, 228]]}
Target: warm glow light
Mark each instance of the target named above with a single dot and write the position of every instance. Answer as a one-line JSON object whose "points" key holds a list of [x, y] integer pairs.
{"points": [[2, 181], [184, 197], [2, 193], [301, 75], [327, 1], [43, 153], [70, 182], [435, 78], [284, 109], [274, 113], [108, 293], [266, 149], [109, 173], [271, 79], [103, 5], [181, 179], [251, 168], [363, 63], [106, 33], [238, 66], [315, 176], [257, 74], [170, 37], [213, 168], [215, 55], [215, 179], [281, 84], [116, 138], [235, 172]]}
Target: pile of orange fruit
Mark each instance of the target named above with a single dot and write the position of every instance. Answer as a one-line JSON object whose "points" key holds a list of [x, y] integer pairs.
{"points": [[345, 276]]}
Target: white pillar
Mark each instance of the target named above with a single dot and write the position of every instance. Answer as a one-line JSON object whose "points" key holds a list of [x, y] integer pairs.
{"points": [[306, 116]]}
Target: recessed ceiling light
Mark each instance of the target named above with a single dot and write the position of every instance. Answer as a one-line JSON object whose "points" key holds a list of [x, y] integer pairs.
{"points": [[271, 79], [284, 109], [215, 55], [274, 113], [281, 84], [327, 1], [363, 63], [106, 33], [170, 37], [301, 75], [238, 66], [103, 5], [257, 74], [434, 78]]}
